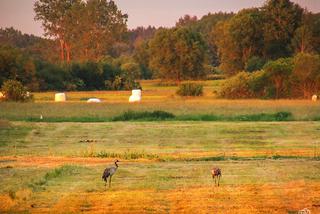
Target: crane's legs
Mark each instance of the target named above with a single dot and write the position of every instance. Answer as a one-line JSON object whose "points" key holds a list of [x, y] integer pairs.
{"points": [[219, 179], [110, 181]]}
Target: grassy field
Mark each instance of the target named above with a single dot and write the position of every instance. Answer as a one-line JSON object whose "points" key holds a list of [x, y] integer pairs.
{"points": [[155, 97], [268, 167], [55, 167]]}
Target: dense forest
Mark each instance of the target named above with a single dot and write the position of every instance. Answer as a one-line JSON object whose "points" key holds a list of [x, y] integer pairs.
{"points": [[267, 52]]}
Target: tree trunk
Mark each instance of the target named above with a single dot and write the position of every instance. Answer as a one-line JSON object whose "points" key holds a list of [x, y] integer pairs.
{"points": [[61, 50], [68, 50]]}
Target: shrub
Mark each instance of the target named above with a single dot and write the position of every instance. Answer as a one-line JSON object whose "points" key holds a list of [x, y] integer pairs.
{"points": [[190, 89], [144, 116], [237, 87], [13, 90], [255, 63]]}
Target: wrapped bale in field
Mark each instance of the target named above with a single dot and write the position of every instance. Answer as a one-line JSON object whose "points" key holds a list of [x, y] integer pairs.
{"points": [[314, 98], [93, 100], [136, 96], [60, 97]]}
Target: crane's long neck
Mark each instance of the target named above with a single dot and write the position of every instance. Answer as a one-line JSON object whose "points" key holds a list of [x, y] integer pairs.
{"points": [[116, 164]]}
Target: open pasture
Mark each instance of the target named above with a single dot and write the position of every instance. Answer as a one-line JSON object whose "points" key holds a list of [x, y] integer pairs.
{"points": [[267, 167], [154, 97], [176, 187]]}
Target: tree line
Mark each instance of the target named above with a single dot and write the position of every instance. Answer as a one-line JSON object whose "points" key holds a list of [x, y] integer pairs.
{"points": [[88, 41]]}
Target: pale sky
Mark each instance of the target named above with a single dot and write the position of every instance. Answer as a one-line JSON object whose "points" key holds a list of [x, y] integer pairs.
{"points": [[19, 13]]}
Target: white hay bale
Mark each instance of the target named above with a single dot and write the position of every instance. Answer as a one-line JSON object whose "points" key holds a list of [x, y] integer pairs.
{"points": [[136, 92], [136, 96], [93, 100], [314, 98], [60, 97]]}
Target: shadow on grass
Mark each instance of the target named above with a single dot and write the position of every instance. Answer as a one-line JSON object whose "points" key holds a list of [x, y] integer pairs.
{"points": [[145, 116]]}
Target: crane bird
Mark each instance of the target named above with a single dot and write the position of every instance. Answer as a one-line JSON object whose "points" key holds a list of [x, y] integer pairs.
{"points": [[216, 174], [109, 172]]}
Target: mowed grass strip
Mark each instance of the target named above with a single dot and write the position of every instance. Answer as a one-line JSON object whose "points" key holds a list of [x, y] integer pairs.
{"points": [[301, 110], [264, 186], [170, 140]]}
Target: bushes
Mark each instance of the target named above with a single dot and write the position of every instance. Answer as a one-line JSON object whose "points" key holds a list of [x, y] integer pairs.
{"points": [[281, 78], [14, 91], [247, 85], [237, 87], [190, 89], [144, 116]]}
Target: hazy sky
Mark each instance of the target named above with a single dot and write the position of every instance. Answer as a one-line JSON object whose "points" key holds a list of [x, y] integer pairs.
{"points": [[19, 13]]}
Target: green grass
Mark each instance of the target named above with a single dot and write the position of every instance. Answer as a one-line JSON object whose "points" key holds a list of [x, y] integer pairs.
{"points": [[279, 116], [127, 155], [55, 174], [144, 116], [80, 111], [167, 116], [166, 139]]}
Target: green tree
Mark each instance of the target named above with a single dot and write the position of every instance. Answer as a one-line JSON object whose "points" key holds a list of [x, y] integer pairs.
{"points": [[142, 57], [307, 37], [187, 20], [13, 90], [230, 53], [282, 18], [255, 63], [16, 65], [246, 29], [279, 72], [178, 54], [306, 75]]}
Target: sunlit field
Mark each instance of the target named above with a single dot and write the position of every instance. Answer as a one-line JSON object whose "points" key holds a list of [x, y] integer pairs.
{"points": [[267, 167], [154, 97]]}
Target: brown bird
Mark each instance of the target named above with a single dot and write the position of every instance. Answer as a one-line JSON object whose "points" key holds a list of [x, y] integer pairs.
{"points": [[216, 174]]}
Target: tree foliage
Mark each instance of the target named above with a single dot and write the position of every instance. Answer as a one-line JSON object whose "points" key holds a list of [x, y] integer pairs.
{"points": [[306, 75], [282, 18], [178, 54], [13, 90], [278, 72], [84, 29]]}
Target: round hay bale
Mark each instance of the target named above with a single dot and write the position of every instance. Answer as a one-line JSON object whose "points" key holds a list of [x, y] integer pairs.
{"points": [[314, 98], [60, 97], [1, 95], [136, 96], [136, 92], [93, 100], [134, 99]]}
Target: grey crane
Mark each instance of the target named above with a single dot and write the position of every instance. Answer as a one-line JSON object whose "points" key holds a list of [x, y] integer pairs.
{"points": [[216, 174], [109, 172]]}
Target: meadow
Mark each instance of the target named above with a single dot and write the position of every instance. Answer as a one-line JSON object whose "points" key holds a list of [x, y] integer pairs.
{"points": [[56, 167]]}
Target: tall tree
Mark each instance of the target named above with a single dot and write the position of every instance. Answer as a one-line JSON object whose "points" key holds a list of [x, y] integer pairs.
{"points": [[278, 72], [178, 54], [307, 37], [282, 17], [246, 29], [53, 15], [86, 29], [187, 20], [229, 52], [306, 74]]}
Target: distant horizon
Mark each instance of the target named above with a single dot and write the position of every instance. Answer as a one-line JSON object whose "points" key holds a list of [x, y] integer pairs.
{"points": [[142, 13]]}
